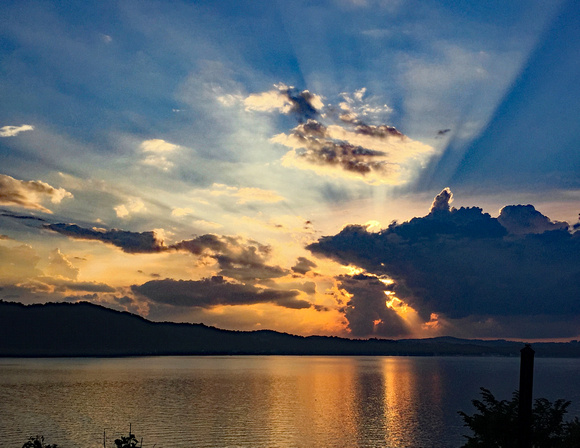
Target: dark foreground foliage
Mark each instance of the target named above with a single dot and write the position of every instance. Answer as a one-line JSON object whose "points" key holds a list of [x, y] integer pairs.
{"points": [[129, 441], [126, 442], [37, 442], [496, 422]]}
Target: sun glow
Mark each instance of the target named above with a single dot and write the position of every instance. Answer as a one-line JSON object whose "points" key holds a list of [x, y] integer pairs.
{"points": [[397, 304], [387, 282], [353, 270], [418, 326]]}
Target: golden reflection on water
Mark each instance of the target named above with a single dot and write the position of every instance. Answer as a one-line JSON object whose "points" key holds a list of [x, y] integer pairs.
{"points": [[311, 403], [230, 401], [347, 401], [405, 409]]}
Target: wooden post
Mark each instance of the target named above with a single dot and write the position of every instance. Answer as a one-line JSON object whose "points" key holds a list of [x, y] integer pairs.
{"points": [[525, 404]]}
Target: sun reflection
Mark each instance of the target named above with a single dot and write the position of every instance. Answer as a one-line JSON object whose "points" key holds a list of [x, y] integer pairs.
{"points": [[399, 398], [314, 386], [406, 386]]}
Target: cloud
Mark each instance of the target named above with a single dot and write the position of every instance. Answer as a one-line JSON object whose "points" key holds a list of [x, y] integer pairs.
{"points": [[130, 242], [243, 260], [60, 266], [342, 140], [12, 131], [29, 194], [106, 38], [20, 274], [23, 217], [303, 265], [18, 263], [215, 291], [525, 219], [134, 205], [121, 303], [464, 264], [353, 109], [208, 224], [285, 99], [156, 151], [366, 310], [307, 287], [238, 259], [66, 285], [245, 195], [181, 211], [442, 201], [373, 154]]}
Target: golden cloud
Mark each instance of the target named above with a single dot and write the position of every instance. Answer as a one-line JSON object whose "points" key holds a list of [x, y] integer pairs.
{"points": [[29, 194]]}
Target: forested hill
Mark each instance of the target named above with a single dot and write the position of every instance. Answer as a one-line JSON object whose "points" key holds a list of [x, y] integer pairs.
{"points": [[85, 329]]}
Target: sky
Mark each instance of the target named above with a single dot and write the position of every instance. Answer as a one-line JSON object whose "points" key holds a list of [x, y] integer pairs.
{"points": [[358, 168]]}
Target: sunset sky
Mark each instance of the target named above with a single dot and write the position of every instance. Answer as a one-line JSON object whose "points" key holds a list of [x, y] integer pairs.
{"points": [[360, 168]]}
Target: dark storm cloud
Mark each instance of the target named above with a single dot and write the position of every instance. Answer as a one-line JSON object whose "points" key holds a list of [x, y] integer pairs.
{"points": [[130, 242], [518, 327], [462, 262], [303, 265], [215, 291], [523, 219], [366, 311]]}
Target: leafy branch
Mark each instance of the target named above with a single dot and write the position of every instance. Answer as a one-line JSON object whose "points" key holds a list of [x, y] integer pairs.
{"points": [[495, 423]]}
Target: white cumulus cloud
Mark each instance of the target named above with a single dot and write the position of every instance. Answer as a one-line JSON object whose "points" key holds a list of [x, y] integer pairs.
{"points": [[156, 151]]}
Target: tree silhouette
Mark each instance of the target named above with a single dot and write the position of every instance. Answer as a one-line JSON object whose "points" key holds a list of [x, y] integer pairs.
{"points": [[37, 442], [495, 423]]}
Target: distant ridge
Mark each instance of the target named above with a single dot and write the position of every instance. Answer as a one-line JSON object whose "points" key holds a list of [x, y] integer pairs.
{"points": [[85, 329]]}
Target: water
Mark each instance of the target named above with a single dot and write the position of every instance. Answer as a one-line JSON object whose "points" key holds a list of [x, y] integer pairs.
{"points": [[258, 401]]}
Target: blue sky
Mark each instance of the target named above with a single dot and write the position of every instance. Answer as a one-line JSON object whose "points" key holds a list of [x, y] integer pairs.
{"points": [[209, 145]]}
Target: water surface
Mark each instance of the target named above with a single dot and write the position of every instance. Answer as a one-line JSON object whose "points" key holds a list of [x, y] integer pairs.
{"points": [[246, 401]]}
